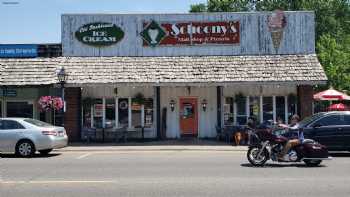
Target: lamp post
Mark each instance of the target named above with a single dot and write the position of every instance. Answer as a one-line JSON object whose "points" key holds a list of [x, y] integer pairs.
{"points": [[62, 78]]}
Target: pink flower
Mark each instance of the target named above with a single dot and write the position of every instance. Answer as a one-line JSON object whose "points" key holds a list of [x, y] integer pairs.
{"points": [[47, 103]]}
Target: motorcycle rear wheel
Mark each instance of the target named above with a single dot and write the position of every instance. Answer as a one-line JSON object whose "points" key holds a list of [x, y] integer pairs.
{"points": [[312, 163], [252, 156]]}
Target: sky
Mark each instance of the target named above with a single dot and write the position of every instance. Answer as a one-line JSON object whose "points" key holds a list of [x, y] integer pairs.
{"points": [[39, 21]]}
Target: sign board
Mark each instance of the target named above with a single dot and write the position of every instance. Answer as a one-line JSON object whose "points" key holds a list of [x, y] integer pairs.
{"points": [[98, 110], [99, 34], [8, 92], [18, 50], [190, 33]]}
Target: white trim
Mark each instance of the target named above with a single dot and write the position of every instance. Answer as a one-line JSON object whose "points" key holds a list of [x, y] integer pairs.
{"points": [[274, 108], [92, 116], [286, 109], [2, 105], [247, 111], [129, 113], [142, 115], [234, 113], [261, 110], [104, 112]]}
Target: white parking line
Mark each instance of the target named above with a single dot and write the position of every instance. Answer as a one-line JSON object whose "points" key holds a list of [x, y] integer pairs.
{"points": [[84, 155], [57, 181]]}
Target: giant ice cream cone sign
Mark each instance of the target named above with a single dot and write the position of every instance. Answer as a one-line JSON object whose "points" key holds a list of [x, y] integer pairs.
{"points": [[276, 24]]}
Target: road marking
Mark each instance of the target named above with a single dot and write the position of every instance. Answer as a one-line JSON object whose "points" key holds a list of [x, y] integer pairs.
{"points": [[56, 182], [151, 152], [84, 155]]}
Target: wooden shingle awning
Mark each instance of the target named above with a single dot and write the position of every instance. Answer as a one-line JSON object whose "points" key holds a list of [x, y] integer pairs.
{"points": [[157, 71]]}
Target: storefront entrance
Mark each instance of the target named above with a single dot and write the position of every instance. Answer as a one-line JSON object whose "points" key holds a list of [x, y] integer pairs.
{"points": [[188, 117]]}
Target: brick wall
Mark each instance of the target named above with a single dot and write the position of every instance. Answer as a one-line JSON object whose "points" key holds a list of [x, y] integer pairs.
{"points": [[305, 98], [72, 117]]}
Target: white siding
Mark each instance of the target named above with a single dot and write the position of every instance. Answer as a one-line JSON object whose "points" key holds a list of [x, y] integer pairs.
{"points": [[255, 39]]}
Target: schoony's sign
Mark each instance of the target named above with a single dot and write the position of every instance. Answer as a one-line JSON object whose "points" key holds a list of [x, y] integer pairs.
{"points": [[191, 33], [99, 34]]}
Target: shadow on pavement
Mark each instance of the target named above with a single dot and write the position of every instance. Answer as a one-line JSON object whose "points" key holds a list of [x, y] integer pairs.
{"points": [[340, 154], [186, 141], [35, 156], [281, 165]]}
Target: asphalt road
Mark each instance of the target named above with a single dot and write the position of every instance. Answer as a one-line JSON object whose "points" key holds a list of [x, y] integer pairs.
{"points": [[167, 173]]}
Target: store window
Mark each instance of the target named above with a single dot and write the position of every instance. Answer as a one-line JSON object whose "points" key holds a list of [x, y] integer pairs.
{"points": [[267, 109], [136, 114], [228, 111], [254, 107], [123, 108], [241, 116], [292, 106], [97, 113], [110, 113], [280, 109], [87, 105], [19, 109], [148, 113]]}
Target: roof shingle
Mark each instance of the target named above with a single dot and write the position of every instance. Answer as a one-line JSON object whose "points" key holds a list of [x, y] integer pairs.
{"points": [[303, 69]]}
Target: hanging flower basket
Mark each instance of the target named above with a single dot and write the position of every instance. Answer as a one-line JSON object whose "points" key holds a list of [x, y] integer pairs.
{"points": [[49, 103]]}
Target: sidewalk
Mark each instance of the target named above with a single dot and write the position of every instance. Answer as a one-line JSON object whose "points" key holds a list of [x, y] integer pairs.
{"points": [[170, 145]]}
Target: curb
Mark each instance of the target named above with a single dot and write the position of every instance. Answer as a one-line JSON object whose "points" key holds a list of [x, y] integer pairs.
{"points": [[144, 149]]}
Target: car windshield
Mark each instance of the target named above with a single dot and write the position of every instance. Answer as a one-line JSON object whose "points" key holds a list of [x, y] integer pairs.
{"points": [[38, 123], [310, 119]]}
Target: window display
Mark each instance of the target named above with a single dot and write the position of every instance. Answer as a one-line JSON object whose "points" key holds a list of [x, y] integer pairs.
{"points": [[148, 112], [110, 113], [123, 108], [254, 107], [280, 109], [241, 104], [267, 109], [228, 111], [19, 109]]}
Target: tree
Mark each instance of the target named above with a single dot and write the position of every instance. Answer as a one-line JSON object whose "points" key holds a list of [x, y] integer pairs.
{"points": [[332, 19]]}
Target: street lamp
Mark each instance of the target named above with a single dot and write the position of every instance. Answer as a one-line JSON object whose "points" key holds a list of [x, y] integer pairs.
{"points": [[204, 104], [62, 78]]}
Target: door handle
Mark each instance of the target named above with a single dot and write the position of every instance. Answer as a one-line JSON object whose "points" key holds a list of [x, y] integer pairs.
{"points": [[340, 129]]}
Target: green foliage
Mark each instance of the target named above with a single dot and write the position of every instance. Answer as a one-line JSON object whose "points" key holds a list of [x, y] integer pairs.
{"points": [[332, 19], [335, 58]]}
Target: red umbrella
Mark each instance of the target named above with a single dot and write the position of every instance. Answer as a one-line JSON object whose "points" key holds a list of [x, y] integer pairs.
{"points": [[338, 107], [331, 95]]}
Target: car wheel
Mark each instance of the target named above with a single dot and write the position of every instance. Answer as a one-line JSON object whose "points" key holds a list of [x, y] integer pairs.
{"points": [[25, 148], [45, 152]]}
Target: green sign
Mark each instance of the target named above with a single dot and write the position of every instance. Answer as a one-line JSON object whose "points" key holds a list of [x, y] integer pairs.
{"points": [[99, 34], [8, 92], [153, 34]]}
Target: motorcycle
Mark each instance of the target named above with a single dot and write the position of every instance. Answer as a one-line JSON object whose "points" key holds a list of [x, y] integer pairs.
{"points": [[266, 144]]}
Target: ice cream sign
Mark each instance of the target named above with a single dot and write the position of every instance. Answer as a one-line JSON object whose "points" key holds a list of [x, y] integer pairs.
{"points": [[190, 33], [276, 24], [99, 34]]}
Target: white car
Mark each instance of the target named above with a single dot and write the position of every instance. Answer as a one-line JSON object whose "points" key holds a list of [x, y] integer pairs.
{"points": [[25, 136]]}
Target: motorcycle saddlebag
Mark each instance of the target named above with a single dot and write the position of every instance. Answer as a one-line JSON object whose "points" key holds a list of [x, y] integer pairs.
{"points": [[315, 151]]}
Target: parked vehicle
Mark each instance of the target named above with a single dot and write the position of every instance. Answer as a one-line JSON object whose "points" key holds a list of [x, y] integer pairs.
{"points": [[267, 145], [25, 136], [331, 129]]}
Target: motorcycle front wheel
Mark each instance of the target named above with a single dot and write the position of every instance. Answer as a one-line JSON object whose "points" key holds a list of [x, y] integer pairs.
{"points": [[253, 157]]}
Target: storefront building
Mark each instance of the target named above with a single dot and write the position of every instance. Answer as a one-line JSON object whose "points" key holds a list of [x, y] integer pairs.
{"points": [[175, 75]]}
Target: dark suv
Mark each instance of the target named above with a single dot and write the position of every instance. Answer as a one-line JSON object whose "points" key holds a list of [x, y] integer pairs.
{"points": [[329, 128]]}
